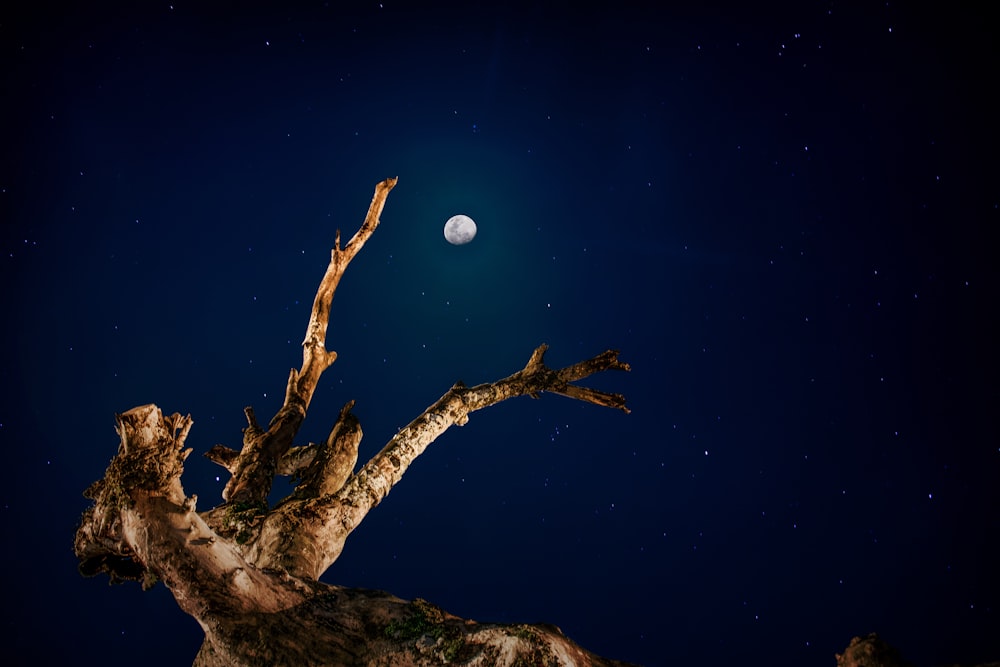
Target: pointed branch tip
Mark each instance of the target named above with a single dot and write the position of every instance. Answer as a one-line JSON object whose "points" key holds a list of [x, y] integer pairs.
{"points": [[537, 359], [251, 416]]}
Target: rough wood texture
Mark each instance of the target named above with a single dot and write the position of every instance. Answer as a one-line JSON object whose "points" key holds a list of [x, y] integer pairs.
{"points": [[249, 573]]}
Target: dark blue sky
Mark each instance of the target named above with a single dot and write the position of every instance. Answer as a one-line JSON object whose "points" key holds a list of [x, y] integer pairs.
{"points": [[782, 217]]}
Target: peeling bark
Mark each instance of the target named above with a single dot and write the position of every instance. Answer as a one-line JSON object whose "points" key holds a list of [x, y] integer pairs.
{"points": [[249, 573]]}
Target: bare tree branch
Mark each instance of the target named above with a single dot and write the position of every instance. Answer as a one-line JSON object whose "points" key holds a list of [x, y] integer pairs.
{"points": [[254, 469], [305, 537], [249, 573], [143, 527]]}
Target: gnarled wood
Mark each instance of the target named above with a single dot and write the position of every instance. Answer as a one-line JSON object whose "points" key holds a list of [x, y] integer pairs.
{"points": [[304, 537], [249, 573], [254, 469]]}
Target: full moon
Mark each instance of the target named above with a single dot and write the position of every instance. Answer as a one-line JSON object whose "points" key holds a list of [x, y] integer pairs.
{"points": [[460, 229]]}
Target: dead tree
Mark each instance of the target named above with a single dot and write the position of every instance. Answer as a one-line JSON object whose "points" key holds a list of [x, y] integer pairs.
{"points": [[249, 573]]}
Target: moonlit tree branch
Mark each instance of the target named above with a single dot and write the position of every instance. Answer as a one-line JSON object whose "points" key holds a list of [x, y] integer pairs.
{"points": [[249, 572]]}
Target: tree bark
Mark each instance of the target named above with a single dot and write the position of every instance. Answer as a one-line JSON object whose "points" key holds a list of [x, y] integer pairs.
{"points": [[249, 573]]}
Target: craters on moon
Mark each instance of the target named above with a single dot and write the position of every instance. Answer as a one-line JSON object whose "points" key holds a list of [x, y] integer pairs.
{"points": [[459, 230]]}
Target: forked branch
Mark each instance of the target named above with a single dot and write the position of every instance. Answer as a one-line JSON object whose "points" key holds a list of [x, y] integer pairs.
{"points": [[249, 573], [305, 533], [254, 468], [304, 537]]}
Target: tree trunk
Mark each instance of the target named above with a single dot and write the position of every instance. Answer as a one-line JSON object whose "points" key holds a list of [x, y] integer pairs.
{"points": [[249, 573]]}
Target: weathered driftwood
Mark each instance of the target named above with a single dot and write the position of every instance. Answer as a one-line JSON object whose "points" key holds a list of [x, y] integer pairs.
{"points": [[249, 573]]}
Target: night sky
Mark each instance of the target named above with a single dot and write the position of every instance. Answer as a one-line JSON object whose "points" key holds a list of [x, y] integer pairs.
{"points": [[782, 217]]}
